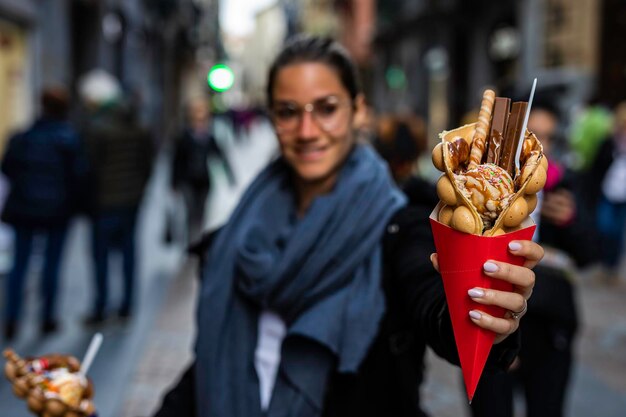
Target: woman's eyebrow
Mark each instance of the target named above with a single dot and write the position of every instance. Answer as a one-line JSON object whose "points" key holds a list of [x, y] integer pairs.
{"points": [[317, 100]]}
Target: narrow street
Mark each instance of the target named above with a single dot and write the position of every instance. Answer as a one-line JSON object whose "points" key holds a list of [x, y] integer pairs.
{"points": [[123, 342]]}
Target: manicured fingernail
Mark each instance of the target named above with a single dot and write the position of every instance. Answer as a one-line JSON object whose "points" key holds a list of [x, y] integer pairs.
{"points": [[515, 246], [490, 267], [476, 293], [475, 314]]}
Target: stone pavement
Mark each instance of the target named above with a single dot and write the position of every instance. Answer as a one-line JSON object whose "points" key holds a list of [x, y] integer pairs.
{"points": [[123, 341], [168, 346]]}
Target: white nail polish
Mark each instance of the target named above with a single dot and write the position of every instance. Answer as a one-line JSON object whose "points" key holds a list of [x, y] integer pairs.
{"points": [[515, 246], [475, 315], [490, 267], [476, 293]]}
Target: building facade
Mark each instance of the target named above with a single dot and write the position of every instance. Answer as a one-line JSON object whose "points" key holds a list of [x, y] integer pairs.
{"points": [[448, 51], [149, 45]]}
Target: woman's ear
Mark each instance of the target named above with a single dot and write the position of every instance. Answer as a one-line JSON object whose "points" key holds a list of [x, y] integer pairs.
{"points": [[361, 113]]}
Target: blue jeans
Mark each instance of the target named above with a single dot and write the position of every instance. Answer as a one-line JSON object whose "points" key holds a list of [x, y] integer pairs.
{"points": [[24, 236], [611, 219], [114, 230]]}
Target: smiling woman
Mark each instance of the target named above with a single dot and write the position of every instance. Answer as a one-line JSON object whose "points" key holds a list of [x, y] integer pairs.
{"points": [[319, 289], [313, 125]]}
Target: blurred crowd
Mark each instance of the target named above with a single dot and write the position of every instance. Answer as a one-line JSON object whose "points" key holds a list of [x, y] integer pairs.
{"points": [[57, 170], [92, 158]]}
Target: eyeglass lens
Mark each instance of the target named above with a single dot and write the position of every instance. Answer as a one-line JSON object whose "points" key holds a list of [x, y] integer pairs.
{"points": [[326, 112]]}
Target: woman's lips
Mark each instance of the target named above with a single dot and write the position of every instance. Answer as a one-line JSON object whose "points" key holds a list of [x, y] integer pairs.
{"points": [[311, 154]]}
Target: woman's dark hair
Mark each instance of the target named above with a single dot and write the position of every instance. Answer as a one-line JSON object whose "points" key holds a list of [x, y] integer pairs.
{"points": [[306, 48]]}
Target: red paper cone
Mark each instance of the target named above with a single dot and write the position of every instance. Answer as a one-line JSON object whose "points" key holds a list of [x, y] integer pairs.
{"points": [[461, 258]]}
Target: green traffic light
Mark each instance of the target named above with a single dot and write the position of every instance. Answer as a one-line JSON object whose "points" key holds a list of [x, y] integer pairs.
{"points": [[221, 77]]}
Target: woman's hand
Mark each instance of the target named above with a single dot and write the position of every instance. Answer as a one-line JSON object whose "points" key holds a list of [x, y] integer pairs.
{"points": [[515, 302]]}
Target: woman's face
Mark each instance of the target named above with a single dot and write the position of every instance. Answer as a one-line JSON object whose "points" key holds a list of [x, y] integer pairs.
{"points": [[313, 116]]}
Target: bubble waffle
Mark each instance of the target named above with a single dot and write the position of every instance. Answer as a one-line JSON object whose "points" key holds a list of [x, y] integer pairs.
{"points": [[51, 385], [483, 191]]}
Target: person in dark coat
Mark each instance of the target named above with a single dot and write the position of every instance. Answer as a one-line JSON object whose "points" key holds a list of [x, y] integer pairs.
{"points": [[315, 287], [44, 167], [120, 156], [608, 175], [190, 173], [548, 331]]}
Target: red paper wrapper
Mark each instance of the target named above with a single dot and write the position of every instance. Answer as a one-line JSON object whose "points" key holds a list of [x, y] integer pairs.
{"points": [[461, 258]]}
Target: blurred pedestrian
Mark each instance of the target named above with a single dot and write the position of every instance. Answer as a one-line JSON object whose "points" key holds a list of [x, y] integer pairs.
{"points": [[312, 288], [400, 140], [608, 173], [44, 167], [120, 156], [544, 363], [190, 174]]}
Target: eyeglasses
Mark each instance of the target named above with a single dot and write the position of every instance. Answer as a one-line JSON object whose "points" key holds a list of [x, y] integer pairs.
{"points": [[328, 113]]}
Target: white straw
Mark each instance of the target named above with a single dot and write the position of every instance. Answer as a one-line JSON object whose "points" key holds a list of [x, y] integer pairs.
{"points": [[92, 350], [520, 145]]}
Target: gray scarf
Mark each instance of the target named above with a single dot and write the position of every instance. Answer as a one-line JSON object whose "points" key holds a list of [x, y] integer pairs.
{"points": [[321, 273]]}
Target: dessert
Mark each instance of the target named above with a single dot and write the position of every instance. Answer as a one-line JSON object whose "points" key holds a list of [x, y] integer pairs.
{"points": [[52, 385], [483, 189]]}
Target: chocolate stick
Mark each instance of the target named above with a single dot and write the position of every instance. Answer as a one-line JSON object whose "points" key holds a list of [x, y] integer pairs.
{"points": [[512, 136], [498, 129]]}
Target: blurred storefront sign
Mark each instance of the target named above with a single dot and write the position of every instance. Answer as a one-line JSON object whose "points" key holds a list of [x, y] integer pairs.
{"points": [[14, 87], [15, 91]]}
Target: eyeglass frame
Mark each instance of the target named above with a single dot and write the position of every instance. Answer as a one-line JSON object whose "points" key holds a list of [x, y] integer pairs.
{"points": [[310, 108]]}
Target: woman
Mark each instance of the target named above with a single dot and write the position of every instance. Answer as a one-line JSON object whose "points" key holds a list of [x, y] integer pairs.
{"points": [[314, 289]]}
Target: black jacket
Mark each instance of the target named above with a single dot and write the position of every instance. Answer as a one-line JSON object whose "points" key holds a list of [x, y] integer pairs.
{"points": [[120, 158], [387, 382], [44, 166]]}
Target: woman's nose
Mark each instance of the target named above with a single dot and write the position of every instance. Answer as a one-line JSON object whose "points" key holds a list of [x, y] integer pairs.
{"points": [[308, 126]]}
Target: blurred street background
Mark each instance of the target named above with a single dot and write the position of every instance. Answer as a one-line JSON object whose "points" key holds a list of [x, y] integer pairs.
{"points": [[181, 66]]}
